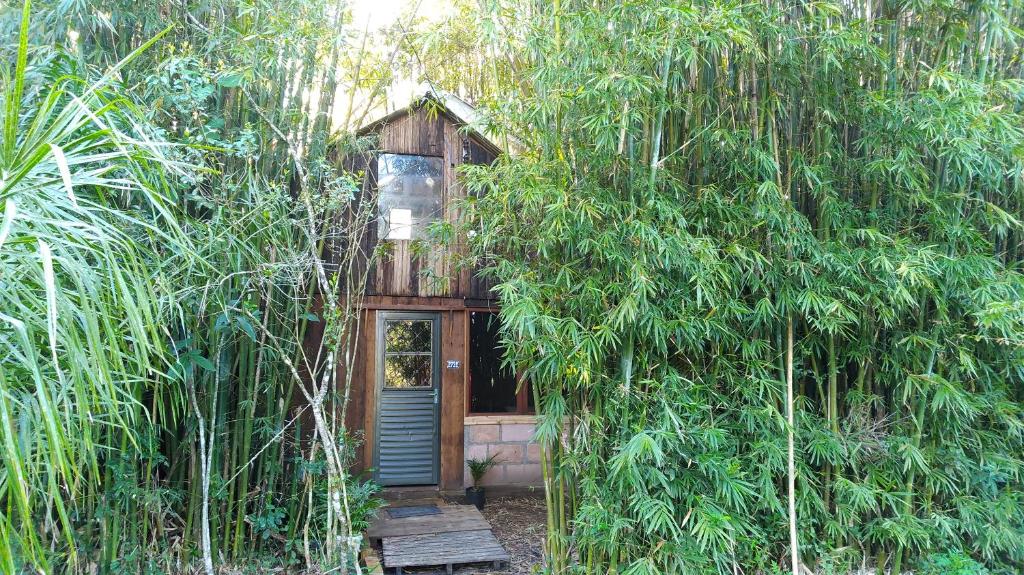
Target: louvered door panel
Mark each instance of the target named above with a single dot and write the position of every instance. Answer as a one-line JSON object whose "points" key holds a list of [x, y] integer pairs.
{"points": [[408, 381]]}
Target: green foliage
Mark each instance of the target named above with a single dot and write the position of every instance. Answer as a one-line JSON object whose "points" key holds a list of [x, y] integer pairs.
{"points": [[269, 522], [692, 176], [80, 346], [159, 224], [454, 53], [479, 467], [951, 563], [363, 503]]}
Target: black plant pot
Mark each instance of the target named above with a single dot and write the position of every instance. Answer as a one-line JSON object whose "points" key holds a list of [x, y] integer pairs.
{"points": [[477, 496]]}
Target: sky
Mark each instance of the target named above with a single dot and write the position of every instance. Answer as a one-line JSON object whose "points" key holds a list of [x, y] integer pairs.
{"points": [[382, 13]]}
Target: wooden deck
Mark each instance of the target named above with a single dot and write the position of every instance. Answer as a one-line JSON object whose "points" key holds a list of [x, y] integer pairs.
{"points": [[457, 535]]}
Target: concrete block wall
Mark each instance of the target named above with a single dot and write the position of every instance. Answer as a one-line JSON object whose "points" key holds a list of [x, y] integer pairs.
{"points": [[510, 437]]}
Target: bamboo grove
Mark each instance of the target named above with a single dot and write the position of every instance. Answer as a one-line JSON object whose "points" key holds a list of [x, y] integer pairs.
{"points": [[699, 192], [693, 178], [166, 194]]}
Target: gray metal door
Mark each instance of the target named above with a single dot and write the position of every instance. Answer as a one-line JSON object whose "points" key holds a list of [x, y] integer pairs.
{"points": [[408, 398]]}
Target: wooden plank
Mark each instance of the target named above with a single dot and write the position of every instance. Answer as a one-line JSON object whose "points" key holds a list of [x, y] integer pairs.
{"points": [[472, 286], [443, 549], [413, 303], [370, 240], [384, 270], [453, 399], [406, 496], [355, 416], [452, 194], [401, 264], [369, 386], [452, 518]]}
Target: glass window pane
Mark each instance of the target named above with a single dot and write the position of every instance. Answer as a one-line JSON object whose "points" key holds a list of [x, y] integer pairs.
{"points": [[407, 335], [407, 371], [409, 195], [492, 389]]}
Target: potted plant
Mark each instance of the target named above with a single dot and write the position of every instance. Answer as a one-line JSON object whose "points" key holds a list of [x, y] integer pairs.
{"points": [[478, 468]]}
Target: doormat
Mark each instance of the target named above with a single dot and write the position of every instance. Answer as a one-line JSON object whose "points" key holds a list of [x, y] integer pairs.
{"points": [[413, 511]]}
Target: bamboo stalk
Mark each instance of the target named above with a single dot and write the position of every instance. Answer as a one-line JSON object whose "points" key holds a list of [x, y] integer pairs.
{"points": [[794, 553]]}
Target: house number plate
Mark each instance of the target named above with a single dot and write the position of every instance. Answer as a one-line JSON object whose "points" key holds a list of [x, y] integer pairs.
{"points": [[454, 364]]}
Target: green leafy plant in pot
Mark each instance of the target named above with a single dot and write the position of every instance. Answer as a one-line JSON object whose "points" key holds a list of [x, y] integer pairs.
{"points": [[478, 468]]}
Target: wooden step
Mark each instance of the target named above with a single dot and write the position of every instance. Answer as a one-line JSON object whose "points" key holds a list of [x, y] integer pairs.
{"points": [[446, 549], [453, 518]]}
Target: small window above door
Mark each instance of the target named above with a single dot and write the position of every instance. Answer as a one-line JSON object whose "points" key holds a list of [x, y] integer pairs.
{"points": [[410, 195]]}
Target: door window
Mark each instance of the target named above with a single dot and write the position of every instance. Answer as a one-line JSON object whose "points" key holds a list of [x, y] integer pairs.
{"points": [[408, 354]]}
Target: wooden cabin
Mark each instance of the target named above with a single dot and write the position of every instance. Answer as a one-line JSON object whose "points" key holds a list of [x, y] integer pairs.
{"points": [[428, 390]]}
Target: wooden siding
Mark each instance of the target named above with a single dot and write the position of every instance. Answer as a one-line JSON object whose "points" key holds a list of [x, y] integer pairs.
{"points": [[363, 395]]}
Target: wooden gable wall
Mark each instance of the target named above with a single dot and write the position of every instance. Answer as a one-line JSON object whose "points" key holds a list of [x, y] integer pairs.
{"points": [[401, 273]]}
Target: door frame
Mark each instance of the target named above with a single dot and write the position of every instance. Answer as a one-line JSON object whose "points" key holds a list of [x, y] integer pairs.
{"points": [[435, 376]]}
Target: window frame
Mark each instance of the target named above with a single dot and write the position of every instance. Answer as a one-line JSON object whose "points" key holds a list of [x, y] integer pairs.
{"points": [[522, 395]]}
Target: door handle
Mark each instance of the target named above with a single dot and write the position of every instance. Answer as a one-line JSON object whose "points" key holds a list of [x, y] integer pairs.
{"points": [[435, 396]]}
